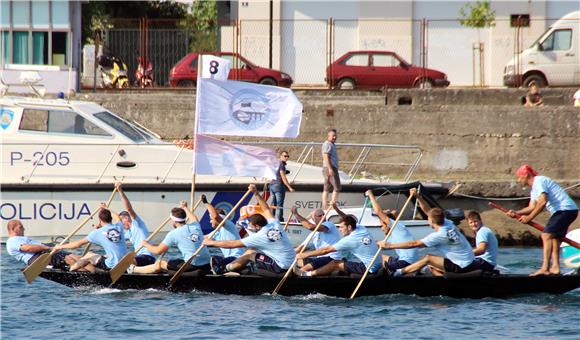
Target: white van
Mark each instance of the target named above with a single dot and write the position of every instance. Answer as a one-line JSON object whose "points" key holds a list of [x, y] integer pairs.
{"points": [[552, 60]]}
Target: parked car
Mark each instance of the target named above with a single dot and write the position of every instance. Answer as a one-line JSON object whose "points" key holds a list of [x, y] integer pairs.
{"points": [[377, 69], [552, 60], [184, 73]]}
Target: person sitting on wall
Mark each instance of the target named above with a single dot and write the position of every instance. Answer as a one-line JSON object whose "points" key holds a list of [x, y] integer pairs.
{"points": [[534, 97]]}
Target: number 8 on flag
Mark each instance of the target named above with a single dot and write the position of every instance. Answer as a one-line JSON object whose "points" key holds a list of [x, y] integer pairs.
{"points": [[213, 67]]}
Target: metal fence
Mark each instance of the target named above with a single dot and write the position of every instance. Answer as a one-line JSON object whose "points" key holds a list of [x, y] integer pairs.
{"points": [[165, 48], [305, 48]]}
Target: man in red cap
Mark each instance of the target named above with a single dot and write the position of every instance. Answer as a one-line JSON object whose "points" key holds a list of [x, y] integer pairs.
{"points": [[547, 193]]}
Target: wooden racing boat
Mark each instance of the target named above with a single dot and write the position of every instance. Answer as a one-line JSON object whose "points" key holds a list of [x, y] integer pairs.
{"points": [[473, 285]]}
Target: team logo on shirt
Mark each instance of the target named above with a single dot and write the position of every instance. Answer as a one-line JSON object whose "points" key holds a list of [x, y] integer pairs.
{"points": [[114, 235], [274, 235], [366, 241], [452, 236], [194, 238]]}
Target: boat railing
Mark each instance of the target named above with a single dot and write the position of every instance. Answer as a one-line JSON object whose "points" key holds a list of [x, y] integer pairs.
{"points": [[356, 160], [362, 159]]}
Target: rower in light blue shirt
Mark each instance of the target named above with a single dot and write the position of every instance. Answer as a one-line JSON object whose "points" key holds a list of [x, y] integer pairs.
{"points": [[326, 235], [274, 252], [400, 234], [356, 242], [457, 253], [486, 244], [135, 229], [187, 237], [227, 232]]}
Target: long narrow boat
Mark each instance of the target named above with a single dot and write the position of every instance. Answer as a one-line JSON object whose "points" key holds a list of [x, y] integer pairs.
{"points": [[461, 286]]}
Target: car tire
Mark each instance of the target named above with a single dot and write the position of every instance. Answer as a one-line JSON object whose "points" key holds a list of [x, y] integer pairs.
{"points": [[186, 83], [268, 81], [424, 84], [345, 84], [537, 79]]}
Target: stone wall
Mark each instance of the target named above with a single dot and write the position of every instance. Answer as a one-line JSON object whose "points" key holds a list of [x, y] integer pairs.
{"points": [[462, 139]]}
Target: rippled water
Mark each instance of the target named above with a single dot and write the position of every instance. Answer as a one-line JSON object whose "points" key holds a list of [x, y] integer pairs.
{"points": [[47, 310]]}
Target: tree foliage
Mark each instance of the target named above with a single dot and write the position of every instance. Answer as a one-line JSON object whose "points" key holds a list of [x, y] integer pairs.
{"points": [[202, 26], [477, 15]]}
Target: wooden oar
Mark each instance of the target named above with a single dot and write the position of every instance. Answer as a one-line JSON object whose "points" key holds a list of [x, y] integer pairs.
{"points": [[534, 224], [379, 250], [186, 264], [288, 222], [35, 268], [118, 270], [308, 239]]}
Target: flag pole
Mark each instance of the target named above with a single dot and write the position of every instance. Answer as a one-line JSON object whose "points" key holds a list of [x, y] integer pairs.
{"points": [[196, 118]]}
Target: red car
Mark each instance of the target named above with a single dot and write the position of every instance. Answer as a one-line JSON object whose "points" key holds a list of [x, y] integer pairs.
{"points": [[184, 73], [377, 69]]}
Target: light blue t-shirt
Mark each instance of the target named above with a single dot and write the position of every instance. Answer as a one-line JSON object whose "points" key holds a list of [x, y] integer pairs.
{"points": [[452, 244], [484, 234], [273, 242], [360, 244], [402, 234], [137, 233], [226, 233], [13, 245], [112, 239], [558, 199], [327, 238], [187, 239]]}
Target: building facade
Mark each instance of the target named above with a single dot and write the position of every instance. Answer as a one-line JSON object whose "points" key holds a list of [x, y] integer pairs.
{"points": [[303, 38], [41, 36]]}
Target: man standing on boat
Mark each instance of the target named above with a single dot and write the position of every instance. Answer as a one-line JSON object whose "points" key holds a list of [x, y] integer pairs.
{"points": [[447, 239], [327, 235], [227, 232], [330, 169], [187, 237], [400, 234], [547, 193], [356, 242], [273, 250], [486, 244], [135, 229], [278, 186], [109, 236], [27, 250]]}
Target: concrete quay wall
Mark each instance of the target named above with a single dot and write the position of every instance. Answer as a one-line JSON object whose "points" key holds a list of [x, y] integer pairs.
{"points": [[461, 138]]}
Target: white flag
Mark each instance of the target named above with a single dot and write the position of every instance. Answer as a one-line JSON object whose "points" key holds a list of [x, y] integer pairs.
{"points": [[236, 108], [213, 67], [221, 158]]}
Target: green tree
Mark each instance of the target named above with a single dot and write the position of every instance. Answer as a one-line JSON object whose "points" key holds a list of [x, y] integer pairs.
{"points": [[477, 15], [202, 26]]}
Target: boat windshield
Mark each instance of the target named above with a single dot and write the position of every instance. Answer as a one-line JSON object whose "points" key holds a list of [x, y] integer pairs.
{"points": [[127, 129]]}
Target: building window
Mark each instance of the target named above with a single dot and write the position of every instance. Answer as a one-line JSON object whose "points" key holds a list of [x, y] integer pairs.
{"points": [[20, 13], [5, 43], [59, 48], [40, 10], [40, 48], [4, 14], [20, 53], [59, 12]]}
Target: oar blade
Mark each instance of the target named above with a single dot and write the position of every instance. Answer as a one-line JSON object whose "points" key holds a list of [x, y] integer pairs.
{"points": [[35, 268], [118, 271]]}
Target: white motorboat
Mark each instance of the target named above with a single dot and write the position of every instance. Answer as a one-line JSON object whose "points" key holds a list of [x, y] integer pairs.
{"points": [[60, 159]]}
